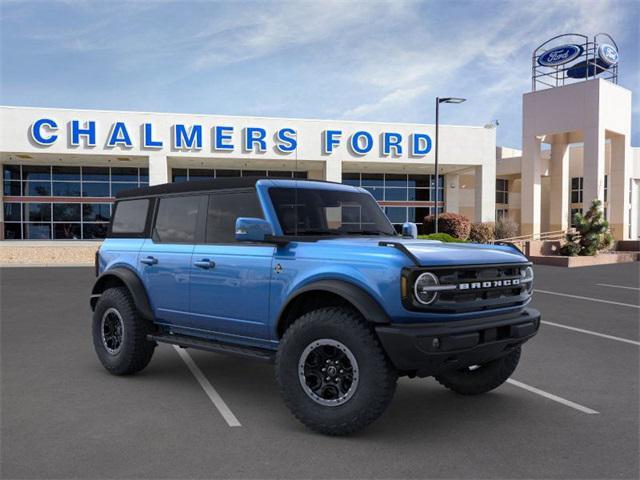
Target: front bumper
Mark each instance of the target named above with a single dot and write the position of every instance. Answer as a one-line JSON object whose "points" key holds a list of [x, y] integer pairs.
{"points": [[427, 349]]}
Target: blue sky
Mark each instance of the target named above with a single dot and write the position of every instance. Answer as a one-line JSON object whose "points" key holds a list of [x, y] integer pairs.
{"points": [[371, 60]]}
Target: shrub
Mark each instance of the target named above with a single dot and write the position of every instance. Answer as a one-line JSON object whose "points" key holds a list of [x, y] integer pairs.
{"points": [[482, 232], [454, 224], [443, 237], [592, 233], [506, 228]]}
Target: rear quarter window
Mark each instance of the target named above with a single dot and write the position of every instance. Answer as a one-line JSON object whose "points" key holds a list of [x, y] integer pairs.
{"points": [[130, 217]]}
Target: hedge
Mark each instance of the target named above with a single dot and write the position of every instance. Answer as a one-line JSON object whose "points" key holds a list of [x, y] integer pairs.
{"points": [[454, 224]]}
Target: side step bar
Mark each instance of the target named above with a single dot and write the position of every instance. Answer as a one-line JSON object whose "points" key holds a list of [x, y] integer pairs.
{"points": [[185, 341]]}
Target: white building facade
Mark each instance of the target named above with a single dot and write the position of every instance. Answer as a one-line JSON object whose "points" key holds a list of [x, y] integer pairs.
{"points": [[62, 168]]}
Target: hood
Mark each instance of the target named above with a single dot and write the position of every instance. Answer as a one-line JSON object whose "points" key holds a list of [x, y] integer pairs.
{"points": [[436, 253]]}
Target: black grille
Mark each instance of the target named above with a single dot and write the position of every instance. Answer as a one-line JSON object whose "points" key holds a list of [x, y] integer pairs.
{"points": [[477, 288]]}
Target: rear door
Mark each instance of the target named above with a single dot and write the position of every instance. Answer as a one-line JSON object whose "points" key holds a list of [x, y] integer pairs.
{"points": [[165, 258], [230, 280]]}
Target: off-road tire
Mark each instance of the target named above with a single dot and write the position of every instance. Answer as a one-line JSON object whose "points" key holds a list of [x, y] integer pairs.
{"points": [[136, 351], [377, 377], [483, 379]]}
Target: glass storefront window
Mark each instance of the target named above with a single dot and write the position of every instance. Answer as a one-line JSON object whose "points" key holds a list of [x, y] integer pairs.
{"points": [[95, 174], [95, 190], [13, 231], [187, 174], [12, 212], [12, 189], [254, 173], [66, 173], [96, 212], [66, 189], [36, 172], [37, 189], [66, 212], [202, 174], [37, 231], [124, 174], [70, 231], [94, 230], [56, 218], [37, 212], [119, 187], [11, 172]]}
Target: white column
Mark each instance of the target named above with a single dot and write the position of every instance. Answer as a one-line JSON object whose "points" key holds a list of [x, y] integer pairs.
{"points": [[618, 188], [559, 204], [452, 192], [158, 169], [593, 167], [531, 188], [333, 170], [485, 192]]}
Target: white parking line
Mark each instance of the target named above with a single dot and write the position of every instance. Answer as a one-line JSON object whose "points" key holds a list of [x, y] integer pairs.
{"points": [[555, 398], [588, 298], [616, 286], [213, 395], [590, 332]]}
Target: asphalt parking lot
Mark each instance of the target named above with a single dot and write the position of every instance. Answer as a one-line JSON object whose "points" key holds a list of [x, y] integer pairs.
{"points": [[572, 410]]}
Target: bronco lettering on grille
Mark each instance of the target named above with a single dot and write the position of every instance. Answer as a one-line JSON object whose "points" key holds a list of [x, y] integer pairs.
{"points": [[512, 282]]}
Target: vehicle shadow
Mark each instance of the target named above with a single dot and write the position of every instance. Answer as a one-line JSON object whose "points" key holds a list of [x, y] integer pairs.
{"points": [[419, 407]]}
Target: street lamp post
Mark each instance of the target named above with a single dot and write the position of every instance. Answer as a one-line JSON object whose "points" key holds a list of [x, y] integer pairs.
{"points": [[438, 102]]}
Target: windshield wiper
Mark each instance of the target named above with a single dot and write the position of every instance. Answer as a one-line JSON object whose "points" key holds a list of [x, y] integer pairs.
{"points": [[368, 232], [315, 232]]}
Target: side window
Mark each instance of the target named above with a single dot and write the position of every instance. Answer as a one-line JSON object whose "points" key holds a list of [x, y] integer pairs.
{"points": [[130, 216], [224, 209], [177, 219]]}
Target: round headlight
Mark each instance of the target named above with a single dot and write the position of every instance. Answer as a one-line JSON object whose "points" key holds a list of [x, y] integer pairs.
{"points": [[526, 278], [425, 288]]}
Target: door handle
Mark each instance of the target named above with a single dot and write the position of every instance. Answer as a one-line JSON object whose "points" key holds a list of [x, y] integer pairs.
{"points": [[149, 260], [205, 263]]}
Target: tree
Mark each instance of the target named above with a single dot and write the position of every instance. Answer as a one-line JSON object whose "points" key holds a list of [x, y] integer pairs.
{"points": [[591, 235]]}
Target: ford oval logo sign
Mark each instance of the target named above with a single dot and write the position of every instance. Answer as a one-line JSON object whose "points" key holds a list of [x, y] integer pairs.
{"points": [[560, 55], [608, 54]]}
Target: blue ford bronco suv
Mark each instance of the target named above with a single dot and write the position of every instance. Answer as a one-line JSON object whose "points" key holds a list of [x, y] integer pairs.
{"points": [[312, 276]]}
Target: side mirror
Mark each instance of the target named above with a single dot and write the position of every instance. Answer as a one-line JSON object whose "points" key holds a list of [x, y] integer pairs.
{"points": [[410, 230], [252, 229]]}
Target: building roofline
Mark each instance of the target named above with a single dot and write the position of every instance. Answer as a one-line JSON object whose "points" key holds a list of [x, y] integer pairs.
{"points": [[240, 116]]}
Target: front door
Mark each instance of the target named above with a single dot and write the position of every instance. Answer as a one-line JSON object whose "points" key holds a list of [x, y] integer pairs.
{"points": [[165, 259], [230, 281]]}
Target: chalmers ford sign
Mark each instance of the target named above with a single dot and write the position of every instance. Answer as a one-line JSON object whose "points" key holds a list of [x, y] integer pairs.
{"points": [[222, 138]]}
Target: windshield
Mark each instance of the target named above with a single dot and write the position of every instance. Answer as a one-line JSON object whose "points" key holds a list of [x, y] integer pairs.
{"points": [[306, 211]]}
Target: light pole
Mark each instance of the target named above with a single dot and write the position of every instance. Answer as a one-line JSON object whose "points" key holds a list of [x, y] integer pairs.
{"points": [[438, 102]]}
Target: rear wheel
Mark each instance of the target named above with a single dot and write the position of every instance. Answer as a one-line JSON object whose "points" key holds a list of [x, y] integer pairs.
{"points": [[332, 372], [481, 378], [120, 333]]}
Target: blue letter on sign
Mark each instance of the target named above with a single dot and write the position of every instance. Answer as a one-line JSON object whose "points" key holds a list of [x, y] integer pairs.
{"points": [[147, 138], [36, 132], [255, 135], [355, 142], [119, 136], [421, 144], [286, 140], [89, 131], [392, 140], [221, 137], [331, 139], [182, 139]]}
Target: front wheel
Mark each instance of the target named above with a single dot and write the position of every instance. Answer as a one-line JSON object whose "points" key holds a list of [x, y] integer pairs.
{"points": [[481, 378], [333, 373]]}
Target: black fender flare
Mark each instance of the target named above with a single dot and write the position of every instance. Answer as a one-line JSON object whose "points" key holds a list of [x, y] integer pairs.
{"points": [[368, 306], [131, 281]]}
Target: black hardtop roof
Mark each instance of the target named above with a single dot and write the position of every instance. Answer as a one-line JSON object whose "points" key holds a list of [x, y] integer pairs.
{"points": [[224, 183]]}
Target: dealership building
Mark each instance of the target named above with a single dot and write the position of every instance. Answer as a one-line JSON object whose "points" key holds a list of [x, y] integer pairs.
{"points": [[62, 168]]}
